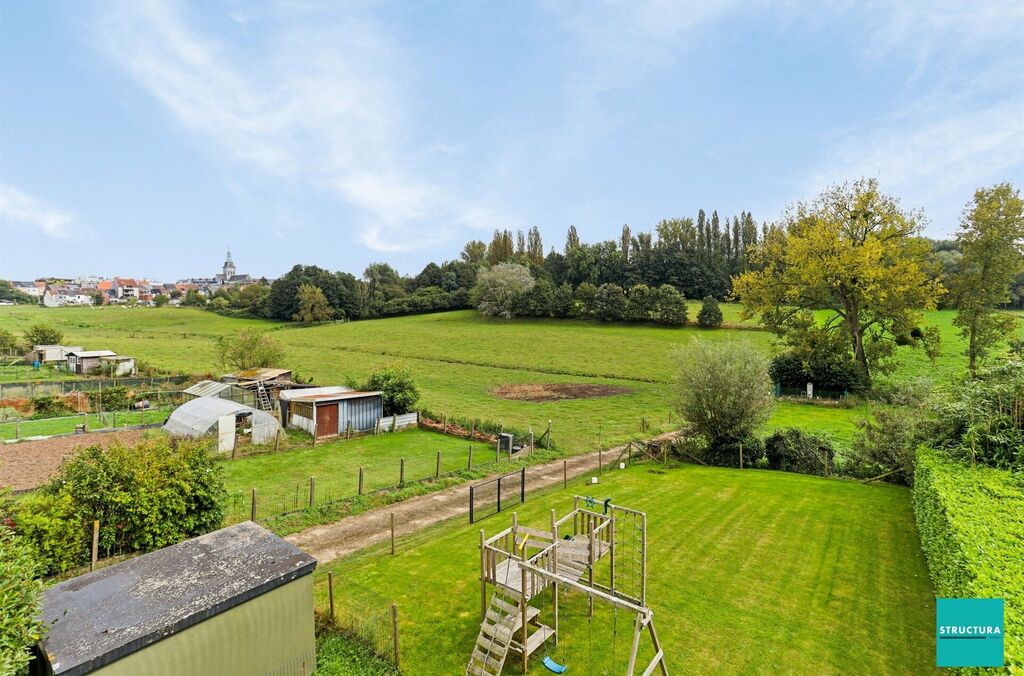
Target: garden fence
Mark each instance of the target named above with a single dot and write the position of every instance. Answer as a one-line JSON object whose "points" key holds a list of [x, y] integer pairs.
{"points": [[363, 615], [161, 405], [28, 390], [289, 497]]}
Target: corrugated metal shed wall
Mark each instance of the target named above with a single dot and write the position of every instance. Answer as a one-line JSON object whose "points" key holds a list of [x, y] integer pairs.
{"points": [[362, 413]]}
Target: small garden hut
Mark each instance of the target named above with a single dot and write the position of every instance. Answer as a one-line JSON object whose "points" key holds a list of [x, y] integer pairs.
{"points": [[235, 601], [328, 411]]}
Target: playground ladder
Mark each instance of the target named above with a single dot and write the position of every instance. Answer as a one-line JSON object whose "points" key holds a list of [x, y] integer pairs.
{"points": [[263, 397], [501, 627]]}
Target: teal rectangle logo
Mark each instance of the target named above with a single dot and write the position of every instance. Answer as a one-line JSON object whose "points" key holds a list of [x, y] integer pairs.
{"points": [[969, 633]]}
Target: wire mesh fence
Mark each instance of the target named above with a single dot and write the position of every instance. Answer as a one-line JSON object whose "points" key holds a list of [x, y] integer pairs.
{"points": [[363, 615], [492, 496]]}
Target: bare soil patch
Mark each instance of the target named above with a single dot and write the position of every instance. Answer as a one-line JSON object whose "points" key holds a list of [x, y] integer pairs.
{"points": [[28, 464], [557, 391]]}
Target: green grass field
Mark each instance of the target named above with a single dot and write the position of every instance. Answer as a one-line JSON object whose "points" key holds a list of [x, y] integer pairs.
{"points": [[281, 479], [94, 421], [459, 358], [749, 572]]}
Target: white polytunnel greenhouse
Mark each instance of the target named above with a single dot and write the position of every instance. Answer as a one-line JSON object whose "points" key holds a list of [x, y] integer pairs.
{"points": [[200, 417]]}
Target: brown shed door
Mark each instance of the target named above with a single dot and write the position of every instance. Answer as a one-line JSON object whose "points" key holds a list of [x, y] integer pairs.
{"points": [[326, 420]]}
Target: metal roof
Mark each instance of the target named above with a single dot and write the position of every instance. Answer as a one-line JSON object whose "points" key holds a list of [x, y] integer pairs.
{"points": [[289, 395], [261, 374], [209, 388], [337, 396], [118, 610], [93, 353]]}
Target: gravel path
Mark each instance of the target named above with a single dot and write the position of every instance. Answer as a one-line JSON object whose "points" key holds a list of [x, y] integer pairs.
{"points": [[334, 540]]}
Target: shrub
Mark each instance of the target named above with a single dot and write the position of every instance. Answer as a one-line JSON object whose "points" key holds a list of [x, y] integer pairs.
{"points": [[887, 446], [610, 303], [723, 390], [836, 373], [793, 450], [115, 398], [972, 533], [20, 602], [640, 304], [584, 301], [498, 290], [154, 494], [710, 315], [249, 349], [398, 388], [48, 406], [669, 305], [8, 343], [42, 334], [910, 392], [983, 418]]}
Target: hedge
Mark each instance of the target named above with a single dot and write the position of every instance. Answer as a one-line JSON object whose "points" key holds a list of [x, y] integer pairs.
{"points": [[971, 523]]}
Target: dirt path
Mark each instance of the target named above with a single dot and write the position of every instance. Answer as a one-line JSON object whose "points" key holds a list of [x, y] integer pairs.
{"points": [[341, 538]]}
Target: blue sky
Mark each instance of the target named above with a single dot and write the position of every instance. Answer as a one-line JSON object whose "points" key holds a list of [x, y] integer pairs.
{"points": [[143, 138]]}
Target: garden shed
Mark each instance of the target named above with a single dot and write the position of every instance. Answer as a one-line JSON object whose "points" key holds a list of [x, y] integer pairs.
{"points": [[229, 391], [45, 354], [210, 415], [329, 411], [87, 361], [235, 601]]}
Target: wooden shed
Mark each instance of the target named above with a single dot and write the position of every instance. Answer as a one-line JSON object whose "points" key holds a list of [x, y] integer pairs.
{"points": [[87, 361], [235, 601], [329, 411], [45, 354]]}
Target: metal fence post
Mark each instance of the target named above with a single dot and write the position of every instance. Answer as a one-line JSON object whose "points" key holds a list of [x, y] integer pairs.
{"points": [[499, 494], [437, 468], [252, 515], [360, 481], [471, 499], [401, 472], [312, 491], [522, 485], [394, 633]]}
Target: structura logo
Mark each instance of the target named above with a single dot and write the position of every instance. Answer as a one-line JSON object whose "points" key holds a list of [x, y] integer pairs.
{"points": [[969, 633]]}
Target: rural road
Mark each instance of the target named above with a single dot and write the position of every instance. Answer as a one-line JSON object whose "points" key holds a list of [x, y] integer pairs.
{"points": [[334, 540]]}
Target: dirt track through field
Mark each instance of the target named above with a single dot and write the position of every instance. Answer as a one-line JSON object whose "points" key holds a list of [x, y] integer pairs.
{"points": [[341, 538]]}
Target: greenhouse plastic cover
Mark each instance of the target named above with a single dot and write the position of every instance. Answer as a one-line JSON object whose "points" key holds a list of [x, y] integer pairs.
{"points": [[196, 418]]}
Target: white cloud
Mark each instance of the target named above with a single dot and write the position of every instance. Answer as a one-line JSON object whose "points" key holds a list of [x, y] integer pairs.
{"points": [[20, 210], [325, 107]]}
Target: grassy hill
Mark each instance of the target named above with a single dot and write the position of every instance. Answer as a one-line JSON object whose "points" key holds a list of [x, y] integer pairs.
{"points": [[459, 358]]}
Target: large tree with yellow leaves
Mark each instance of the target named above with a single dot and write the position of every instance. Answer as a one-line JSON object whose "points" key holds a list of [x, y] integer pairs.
{"points": [[851, 261]]}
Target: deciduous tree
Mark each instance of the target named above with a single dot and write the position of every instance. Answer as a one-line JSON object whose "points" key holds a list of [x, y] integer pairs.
{"points": [[313, 306], [856, 254], [991, 238]]}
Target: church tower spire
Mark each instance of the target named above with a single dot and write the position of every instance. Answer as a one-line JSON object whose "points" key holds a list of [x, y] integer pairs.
{"points": [[229, 267]]}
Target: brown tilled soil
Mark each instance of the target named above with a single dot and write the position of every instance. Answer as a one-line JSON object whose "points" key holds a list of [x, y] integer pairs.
{"points": [[556, 391], [27, 464], [334, 540]]}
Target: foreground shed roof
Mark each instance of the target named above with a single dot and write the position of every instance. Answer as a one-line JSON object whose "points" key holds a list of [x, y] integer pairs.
{"points": [[112, 612]]}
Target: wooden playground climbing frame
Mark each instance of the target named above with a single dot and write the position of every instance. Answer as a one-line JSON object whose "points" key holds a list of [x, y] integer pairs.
{"points": [[520, 562]]}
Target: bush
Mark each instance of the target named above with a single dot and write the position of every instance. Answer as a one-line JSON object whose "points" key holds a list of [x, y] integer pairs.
{"points": [[20, 602], [983, 419], [913, 392], [669, 306], [249, 349], [723, 390], [836, 373], [710, 315], [42, 334], [972, 533], [887, 446], [793, 450], [115, 398], [610, 303], [498, 290], [48, 406], [154, 494], [398, 388], [8, 343]]}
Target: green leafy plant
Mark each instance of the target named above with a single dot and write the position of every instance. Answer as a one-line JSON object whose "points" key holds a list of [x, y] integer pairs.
{"points": [[397, 386], [710, 315], [20, 600], [793, 450]]}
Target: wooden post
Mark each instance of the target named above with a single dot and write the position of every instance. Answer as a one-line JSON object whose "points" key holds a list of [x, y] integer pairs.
{"points": [[392, 533], [483, 577], [531, 442], [394, 633], [472, 430], [523, 608], [497, 450], [360, 481], [330, 593], [348, 429], [548, 435], [469, 461], [394, 422], [565, 474], [437, 467], [95, 544], [554, 569], [600, 461], [252, 514], [312, 492], [444, 423], [401, 472], [277, 441], [643, 559], [17, 430]]}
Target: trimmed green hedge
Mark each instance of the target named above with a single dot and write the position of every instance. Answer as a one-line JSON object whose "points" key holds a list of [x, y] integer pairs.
{"points": [[971, 523]]}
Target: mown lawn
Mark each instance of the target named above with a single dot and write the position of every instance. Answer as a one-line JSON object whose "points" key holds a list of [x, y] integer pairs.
{"points": [[281, 479], [93, 421], [749, 572]]}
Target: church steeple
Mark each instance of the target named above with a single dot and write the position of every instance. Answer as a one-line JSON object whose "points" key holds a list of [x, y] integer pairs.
{"points": [[229, 267]]}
